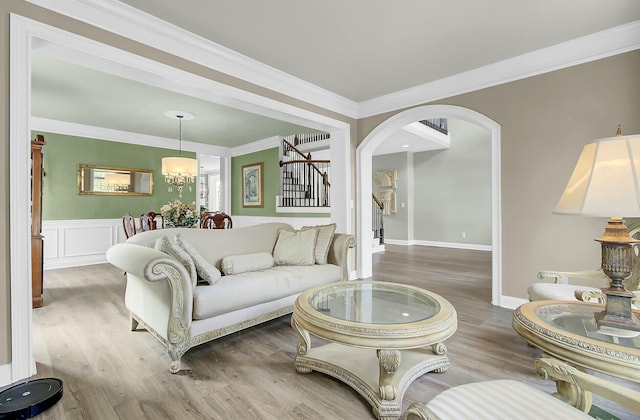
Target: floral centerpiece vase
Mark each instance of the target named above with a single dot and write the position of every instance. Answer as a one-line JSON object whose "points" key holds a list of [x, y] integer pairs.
{"points": [[178, 214]]}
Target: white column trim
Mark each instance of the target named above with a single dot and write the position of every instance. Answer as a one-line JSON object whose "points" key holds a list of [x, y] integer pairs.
{"points": [[22, 362]]}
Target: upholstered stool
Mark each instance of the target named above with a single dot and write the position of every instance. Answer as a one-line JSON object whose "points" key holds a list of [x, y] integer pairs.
{"points": [[498, 399]]}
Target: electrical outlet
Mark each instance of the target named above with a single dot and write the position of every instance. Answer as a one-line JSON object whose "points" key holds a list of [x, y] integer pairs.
{"points": [[464, 235]]}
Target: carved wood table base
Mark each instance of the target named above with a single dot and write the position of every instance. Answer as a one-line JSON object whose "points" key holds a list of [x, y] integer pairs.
{"points": [[359, 368], [382, 336]]}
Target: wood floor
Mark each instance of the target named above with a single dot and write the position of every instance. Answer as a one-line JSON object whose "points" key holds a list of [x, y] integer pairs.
{"points": [[81, 336]]}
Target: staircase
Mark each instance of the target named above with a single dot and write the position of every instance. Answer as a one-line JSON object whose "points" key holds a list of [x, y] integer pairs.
{"points": [[294, 194], [304, 180]]}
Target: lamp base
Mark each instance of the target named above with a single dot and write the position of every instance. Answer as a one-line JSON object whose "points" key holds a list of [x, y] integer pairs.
{"points": [[618, 313], [617, 264]]}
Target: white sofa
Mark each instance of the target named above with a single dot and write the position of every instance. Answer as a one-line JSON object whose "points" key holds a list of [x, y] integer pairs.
{"points": [[161, 297]]}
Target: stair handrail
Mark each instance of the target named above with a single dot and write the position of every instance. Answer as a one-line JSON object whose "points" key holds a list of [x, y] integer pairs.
{"points": [[378, 202], [380, 205], [307, 159]]}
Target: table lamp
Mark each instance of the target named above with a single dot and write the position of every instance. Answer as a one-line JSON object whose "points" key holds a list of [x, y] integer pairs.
{"points": [[606, 183]]}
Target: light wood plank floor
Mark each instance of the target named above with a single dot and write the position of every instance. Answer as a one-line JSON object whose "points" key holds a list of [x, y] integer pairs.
{"points": [[81, 336]]}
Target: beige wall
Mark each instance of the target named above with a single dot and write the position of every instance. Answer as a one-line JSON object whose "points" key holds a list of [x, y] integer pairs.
{"points": [[33, 12], [545, 121]]}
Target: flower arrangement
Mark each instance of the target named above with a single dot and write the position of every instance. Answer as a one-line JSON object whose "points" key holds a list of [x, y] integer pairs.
{"points": [[178, 214]]}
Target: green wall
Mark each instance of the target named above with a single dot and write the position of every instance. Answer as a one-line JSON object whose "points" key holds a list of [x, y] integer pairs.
{"points": [[63, 153], [271, 160]]}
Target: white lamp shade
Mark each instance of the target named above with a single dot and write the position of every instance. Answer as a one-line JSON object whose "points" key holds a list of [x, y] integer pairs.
{"points": [[179, 166], [605, 181]]}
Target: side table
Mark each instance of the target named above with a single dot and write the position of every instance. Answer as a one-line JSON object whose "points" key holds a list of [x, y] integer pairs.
{"points": [[567, 331]]}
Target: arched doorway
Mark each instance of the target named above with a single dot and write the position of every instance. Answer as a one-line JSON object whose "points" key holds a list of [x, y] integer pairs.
{"points": [[364, 153]]}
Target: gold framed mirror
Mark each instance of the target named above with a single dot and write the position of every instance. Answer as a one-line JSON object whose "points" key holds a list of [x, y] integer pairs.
{"points": [[106, 180]]}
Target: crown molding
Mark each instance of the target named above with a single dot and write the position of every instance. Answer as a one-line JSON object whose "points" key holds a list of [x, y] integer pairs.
{"points": [[139, 26], [101, 133], [256, 146], [132, 23], [592, 47]]}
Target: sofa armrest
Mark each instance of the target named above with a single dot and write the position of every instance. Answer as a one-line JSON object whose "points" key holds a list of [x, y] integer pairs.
{"points": [[562, 277], [153, 266], [339, 252]]}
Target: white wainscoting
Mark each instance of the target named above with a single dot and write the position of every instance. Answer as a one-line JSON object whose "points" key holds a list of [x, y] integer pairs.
{"points": [[72, 243]]}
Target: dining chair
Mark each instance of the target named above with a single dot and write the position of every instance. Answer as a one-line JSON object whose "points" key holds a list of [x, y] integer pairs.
{"points": [[151, 221], [129, 225], [216, 221]]}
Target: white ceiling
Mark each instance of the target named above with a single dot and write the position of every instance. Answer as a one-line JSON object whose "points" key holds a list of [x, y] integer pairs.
{"points": [[359, 49]]}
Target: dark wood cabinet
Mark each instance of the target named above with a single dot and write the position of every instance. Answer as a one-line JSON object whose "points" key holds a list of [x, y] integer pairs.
{"points": [[37, 174]]}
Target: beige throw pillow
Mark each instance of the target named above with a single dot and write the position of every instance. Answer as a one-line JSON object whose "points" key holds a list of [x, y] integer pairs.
{"points": [[206, 271], [165, 245], [295, 247], [236, 264], [323, 241]]}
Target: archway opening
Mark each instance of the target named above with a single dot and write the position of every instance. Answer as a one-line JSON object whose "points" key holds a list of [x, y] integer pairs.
{"points": [[364, 167]]}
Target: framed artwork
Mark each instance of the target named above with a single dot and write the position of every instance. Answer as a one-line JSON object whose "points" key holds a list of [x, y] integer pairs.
{"points": [[252, 185], [385, 179]]}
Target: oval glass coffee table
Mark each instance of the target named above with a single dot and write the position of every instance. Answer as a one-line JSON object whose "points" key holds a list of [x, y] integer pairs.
{"points": [[382, 337]]}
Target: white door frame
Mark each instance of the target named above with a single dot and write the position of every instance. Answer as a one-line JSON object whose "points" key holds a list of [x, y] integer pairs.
{"points": [[364, 168]]}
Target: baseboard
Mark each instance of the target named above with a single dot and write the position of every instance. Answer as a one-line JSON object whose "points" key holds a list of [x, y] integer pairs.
{"points": [[5, 375], [75, 262], [454, 245], [377, 248], [511, 302], [398, 242]]}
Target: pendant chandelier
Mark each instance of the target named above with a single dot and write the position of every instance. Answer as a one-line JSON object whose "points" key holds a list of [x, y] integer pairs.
{"points": [[179, 171]]}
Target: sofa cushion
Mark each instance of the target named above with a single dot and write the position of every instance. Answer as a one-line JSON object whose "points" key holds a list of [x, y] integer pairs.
{"points": [[239, 291], [323, 241], [165, 245], [205, 271], [215, 244], [295, 247], [236, 264]]}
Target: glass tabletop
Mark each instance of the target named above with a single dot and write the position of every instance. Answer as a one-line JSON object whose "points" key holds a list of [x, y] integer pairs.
{"points": [[374, 303], [580, 320]]}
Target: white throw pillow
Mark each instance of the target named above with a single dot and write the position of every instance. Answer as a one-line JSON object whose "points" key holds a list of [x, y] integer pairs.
{"points": [[165, 245], [295, 247], [323, 241], [206, 271], [236, 264]]}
